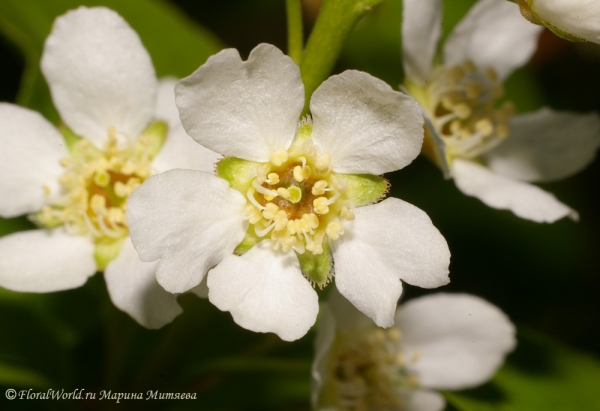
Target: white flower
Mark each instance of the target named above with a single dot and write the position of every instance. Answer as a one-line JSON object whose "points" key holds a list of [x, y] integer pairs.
{"points": [[470, 134], [440, 342], [104, 87], [285, 196], [575, 20]]}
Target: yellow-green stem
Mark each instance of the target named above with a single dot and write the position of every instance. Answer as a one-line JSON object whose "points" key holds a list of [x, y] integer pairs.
{"points": [[336, 20], [295, 30]]}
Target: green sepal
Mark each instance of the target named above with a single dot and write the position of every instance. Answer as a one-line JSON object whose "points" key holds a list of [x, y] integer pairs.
{"points": [[107, 250], [239, 173], [317, 267], [71, 139], [364, 188], [304, 133], [249, 241], [155, 133]]}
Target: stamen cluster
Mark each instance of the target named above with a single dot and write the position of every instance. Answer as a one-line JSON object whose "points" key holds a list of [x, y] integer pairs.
{"points": [[297, 200], [368, 371], [463, 102], [95, 187]]}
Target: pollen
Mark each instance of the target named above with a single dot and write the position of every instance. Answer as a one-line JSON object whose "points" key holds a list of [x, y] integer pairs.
{"points": [[296, 201]]}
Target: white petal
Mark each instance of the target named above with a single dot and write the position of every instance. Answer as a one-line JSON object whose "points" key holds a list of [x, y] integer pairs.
{"points": [[493, 34], [421, 29], [41, 261], [165, 108], [525, 200], [460, 340], [265, 291], [364, 125], [29, 159], [133, 288], [388, 241], [99, 73], [181, 151], [348, 319], [421, 400], [580, 18], [188, 219], [547, 145], [245, 109], [326, 331]]}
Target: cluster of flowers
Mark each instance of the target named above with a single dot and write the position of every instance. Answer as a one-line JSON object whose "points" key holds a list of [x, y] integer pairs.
{"points": [[215, 185]]}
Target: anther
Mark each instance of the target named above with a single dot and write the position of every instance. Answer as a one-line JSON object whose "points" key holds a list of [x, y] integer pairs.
{"points": [[462, 110], [320, 205], [334, 230], [394, 334], [272, 179], [319, 187], [97, 202], [323, 162], [121, 190], [281, 220], [279, 157], [301, 173], [252, 214], [347, 214], [485, 127], [284, 193], [270, 211]]}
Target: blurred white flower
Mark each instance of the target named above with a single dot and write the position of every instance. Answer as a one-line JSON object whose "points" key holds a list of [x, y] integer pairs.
{"points": [[284, 199], [575, 20], [470, 133], [440, 342], [104, 87]]}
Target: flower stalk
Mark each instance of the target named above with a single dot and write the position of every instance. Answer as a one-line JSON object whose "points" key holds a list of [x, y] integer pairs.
{"points": [[336, 20], [295, 30]]}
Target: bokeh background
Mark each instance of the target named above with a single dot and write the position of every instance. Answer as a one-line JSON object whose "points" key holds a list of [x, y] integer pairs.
{"points": [[546, 277]]}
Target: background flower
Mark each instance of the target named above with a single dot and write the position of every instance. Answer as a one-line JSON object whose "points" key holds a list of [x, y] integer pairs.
{"points": [[572, 20], [104, 86], [441, 341], [470, 134]]}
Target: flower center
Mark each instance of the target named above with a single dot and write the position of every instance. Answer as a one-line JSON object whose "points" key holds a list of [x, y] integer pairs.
{"points": [[95, 187], [463, 103], [295, 198], [368, 372]]}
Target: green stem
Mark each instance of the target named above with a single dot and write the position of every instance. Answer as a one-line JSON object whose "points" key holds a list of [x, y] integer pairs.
{"points": [[295, 30], [334, 24]]}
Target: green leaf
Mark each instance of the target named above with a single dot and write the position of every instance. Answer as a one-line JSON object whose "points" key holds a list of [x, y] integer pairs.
{"points": [[364, 188], [540, 375], [14, 376], [177, 45]]}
